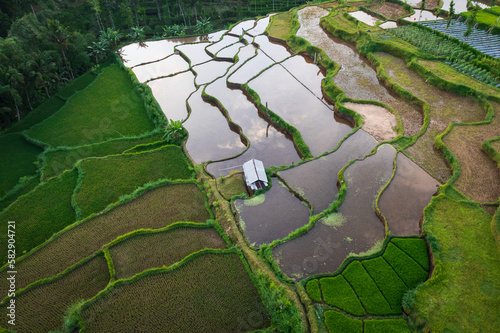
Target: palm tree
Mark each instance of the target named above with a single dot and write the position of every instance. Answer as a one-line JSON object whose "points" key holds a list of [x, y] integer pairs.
{"points": [[14, 79], [137, 33], [60, 36], [111, 37], [98, 50], [203, 26]]}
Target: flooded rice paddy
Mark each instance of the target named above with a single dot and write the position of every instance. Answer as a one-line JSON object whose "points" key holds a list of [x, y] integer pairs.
{"points": [[364, 17], [353, 229], [201, 81], [271, 215], [357, 78]]}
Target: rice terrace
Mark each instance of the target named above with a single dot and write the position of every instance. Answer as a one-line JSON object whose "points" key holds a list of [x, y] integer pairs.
{"points": [[250, 166]]}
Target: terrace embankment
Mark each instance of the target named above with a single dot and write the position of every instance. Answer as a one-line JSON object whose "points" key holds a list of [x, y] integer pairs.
{"points": [[444, 108], [356, 78]]}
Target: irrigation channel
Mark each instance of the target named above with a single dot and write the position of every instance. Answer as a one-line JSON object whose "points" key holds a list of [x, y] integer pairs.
{"points": [[206, 82]]}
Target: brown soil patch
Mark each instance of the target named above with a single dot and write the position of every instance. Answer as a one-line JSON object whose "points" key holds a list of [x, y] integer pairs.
{"points": [[379, 122], [390, 10], [479, 175], [429, 4], [358, 3], [444, 108], [496, 145]]}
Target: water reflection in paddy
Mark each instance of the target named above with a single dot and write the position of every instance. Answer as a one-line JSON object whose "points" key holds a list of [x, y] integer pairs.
{"points": [[422, 15], [356, 78], [271, 215], [354, 229], [211, 70], [288, 98], [260, 27], [267, 144], [171, 65], [250, 68], [139, 53], [304, 70], [224, 42], [364, 17], [171, 94], [275, 51], [317, 180], [403, 202], [230, 51], [195, 52], [242, 26], [209, 135]]}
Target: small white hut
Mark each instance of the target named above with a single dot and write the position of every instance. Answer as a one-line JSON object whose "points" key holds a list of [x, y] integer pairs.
{"points": [[255, 174]]}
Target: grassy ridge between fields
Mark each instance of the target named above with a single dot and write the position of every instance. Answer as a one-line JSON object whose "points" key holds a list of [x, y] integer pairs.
{"points": [[134, 251], [157, 249]]}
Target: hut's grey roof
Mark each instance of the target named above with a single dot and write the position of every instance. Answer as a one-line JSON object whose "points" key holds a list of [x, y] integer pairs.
{"points": [[254, 171]]}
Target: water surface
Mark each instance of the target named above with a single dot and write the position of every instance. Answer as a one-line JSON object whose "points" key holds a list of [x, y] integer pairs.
{"points": [[267, 143], [172, 92], [271, 215], [210, 137], [169, 66], [289, 99], [353, 229], [317, 180], [404, 200], [195, 52]]}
